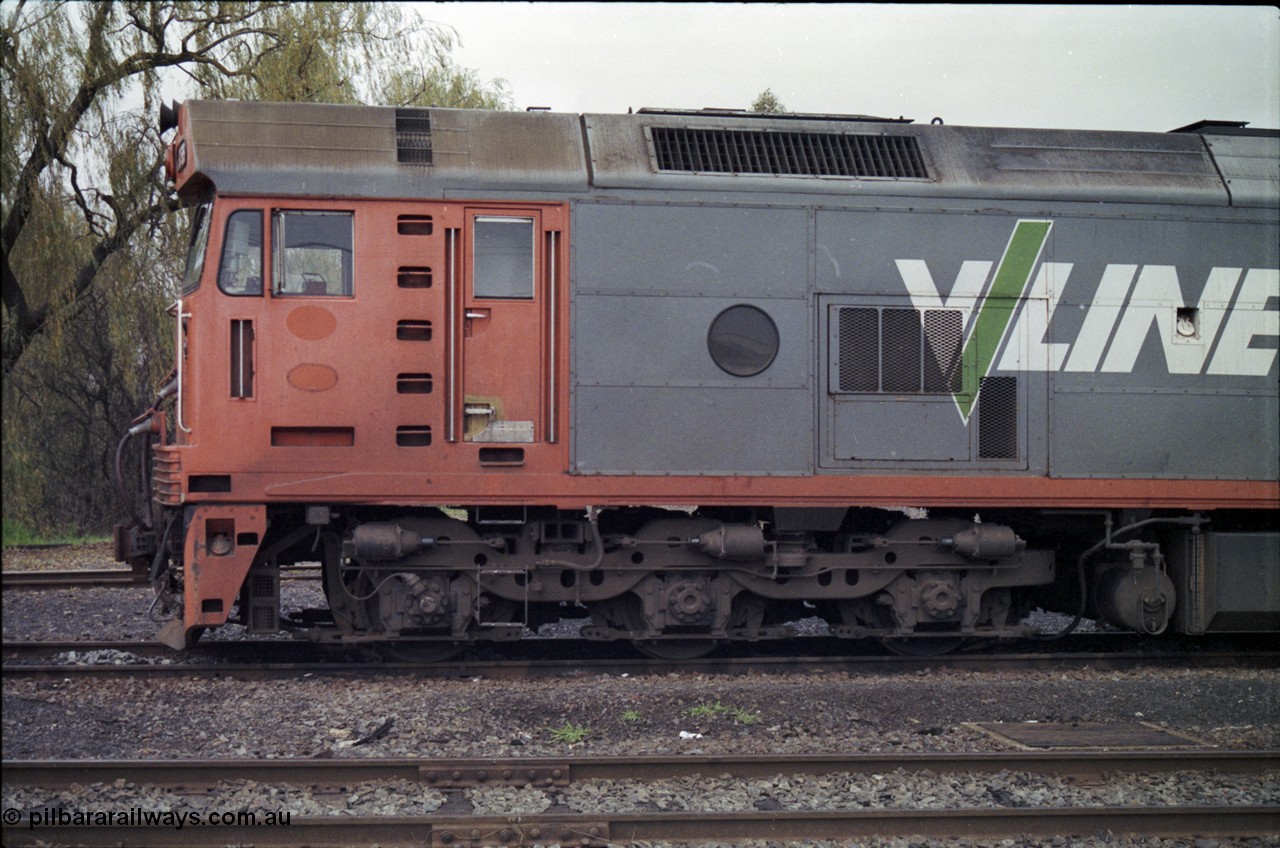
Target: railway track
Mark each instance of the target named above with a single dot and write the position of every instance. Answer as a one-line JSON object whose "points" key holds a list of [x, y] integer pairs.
{"points": [[644, 828], [452, 827], [540, 659], [90, 578], [83, 578]]}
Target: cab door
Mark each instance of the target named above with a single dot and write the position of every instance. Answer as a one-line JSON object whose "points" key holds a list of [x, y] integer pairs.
{"points": [[506, 307]]}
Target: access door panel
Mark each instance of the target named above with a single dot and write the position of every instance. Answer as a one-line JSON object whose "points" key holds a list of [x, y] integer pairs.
{"points": [[507, 327], [907, 387]]}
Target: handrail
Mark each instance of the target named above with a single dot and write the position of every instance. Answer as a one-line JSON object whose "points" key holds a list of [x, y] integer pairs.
{"points": [[551, 339], [181, 354], [451, 336]]}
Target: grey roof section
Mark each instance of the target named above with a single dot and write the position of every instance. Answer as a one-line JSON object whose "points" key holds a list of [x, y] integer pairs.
{"points": [[307, 149], [327, 150], [1250, 166], [963, 162]]}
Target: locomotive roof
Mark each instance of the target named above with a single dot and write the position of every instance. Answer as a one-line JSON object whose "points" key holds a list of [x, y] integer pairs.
{"points": [[298, 149]]}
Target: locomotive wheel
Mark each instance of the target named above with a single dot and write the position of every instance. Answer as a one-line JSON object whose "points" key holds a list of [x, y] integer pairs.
{"points": [[625, 613], [866, 613], [420, 653], [676, 649], [908, 646]]}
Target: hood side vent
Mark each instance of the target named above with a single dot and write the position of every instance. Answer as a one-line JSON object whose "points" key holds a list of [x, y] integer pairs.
{"points": [[413, 136], [787, 153]]}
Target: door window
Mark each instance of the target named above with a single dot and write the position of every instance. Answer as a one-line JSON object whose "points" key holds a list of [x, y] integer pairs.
{"points": [[503, 258]]}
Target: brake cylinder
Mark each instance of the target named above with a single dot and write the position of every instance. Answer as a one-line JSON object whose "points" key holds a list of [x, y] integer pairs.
{"points": [[375, 541], [733, 541], [985, 541]]}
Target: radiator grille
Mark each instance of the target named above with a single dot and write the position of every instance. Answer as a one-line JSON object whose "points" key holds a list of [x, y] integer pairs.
{"points": [[413, 136], [787, 153], [998, 418], [900, 351]]}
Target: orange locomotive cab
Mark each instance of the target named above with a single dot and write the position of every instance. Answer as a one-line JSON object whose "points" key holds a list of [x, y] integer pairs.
{"points": [[367, 343], [364, 350]]}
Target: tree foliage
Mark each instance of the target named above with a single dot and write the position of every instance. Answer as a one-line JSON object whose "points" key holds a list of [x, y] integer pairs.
{"points": [[91, 238], [768, 103]]}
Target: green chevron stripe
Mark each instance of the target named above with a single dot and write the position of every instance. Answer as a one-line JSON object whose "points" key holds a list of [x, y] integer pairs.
{"points": [[1012, 279]]}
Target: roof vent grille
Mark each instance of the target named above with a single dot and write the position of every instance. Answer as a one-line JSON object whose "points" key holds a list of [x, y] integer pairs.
{"points": [[787, 153], [413, 136]]}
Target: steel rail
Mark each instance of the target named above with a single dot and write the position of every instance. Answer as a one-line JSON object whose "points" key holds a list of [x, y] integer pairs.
{"points": [[98, 577], [587, 829], [260, 660], [72, 578], [270, 659], [457, 772], [638, 828]]}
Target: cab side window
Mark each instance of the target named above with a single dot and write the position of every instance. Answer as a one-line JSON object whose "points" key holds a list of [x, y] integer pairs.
{"points": [[313, 253], [196, 249], [240, 271]]}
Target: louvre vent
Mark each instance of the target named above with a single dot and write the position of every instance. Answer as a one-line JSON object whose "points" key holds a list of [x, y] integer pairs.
{"points": [[413, 384], [415, 436], [787, 153], [998, 418], [895, 351], [413, 136]]}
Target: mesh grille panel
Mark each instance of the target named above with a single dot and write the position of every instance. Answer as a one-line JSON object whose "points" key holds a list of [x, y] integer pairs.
{"points": [[859, 350], [900, 363], [893, 350], [944, 335], [811, 154], [998, 418], [413, 136]]}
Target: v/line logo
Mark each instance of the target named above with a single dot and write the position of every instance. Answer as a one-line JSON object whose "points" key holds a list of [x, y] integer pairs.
{"points": [[1128, 299]]}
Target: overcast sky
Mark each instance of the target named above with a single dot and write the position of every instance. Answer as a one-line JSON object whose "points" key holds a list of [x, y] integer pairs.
{"points": [[1088, 67]]}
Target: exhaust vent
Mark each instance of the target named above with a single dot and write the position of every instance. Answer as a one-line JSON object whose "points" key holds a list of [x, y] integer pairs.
{"points": [[787, 153], [413, 136]]}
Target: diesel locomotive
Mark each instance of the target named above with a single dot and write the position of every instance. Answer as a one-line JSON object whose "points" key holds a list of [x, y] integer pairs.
{"points": [[696, 374]]}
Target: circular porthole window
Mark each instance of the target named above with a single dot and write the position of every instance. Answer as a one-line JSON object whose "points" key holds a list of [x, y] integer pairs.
{"points": [[743, 340]]}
